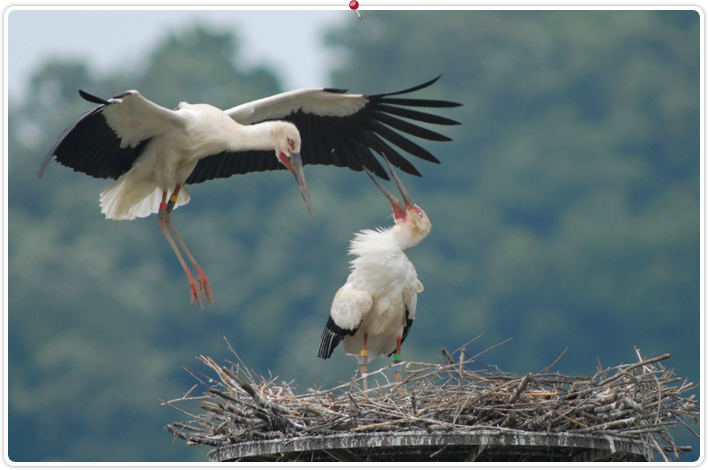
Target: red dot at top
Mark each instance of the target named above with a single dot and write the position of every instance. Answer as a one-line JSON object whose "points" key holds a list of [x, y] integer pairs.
{"points": [[353, 4]]}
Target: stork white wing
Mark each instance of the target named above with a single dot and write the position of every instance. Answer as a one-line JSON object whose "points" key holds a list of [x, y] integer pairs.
{"points": [[410, 299], [105, 141], [349, 307], [134, 118], [317, 101], [343, 129], [335, 128]]}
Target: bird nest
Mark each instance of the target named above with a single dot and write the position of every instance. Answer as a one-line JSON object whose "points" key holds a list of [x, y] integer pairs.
{"points": [[450, 411]]}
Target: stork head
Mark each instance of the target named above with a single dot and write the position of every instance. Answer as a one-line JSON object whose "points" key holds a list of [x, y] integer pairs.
{"points": [[287, 150], [412, 221]]}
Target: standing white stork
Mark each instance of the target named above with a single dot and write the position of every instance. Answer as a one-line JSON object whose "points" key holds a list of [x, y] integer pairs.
{"points": [[374, 311], [150, 150]]}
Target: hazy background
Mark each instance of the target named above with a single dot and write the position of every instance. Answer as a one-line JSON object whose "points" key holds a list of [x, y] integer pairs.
{"points": [[565, 212], [288, 42]]}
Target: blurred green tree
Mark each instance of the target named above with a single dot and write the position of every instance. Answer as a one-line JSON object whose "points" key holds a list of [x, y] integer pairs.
{"points": [[565, 213], [574, 177], [218, 81], [82, 287]]}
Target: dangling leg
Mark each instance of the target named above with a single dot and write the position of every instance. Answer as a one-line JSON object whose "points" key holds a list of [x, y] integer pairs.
{"points": [[396, 360], [363, 361], [162, 225], [203, 281]]}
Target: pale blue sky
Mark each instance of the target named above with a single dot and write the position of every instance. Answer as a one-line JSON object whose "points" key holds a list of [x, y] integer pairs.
{"points": [[287, 41]]}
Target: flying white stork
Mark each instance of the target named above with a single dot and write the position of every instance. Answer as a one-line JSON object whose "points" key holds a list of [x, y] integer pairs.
{"points": [[374, 311], [151, 151]]}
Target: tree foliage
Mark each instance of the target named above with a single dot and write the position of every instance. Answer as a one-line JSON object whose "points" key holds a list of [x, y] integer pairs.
{"points": [[565, 213], [571, 191]]}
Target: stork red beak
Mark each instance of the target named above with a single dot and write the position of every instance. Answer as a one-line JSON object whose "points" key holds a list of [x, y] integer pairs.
{"points": [[296, 168], [399, 208]]}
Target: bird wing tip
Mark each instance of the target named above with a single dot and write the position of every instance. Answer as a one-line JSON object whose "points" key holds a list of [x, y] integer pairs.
{"points": [[92, 98]]}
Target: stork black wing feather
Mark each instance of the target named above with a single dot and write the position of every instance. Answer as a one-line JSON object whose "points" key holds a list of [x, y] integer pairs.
{"points": [[403, 143], [329, 137], [409, 128], [340, 91], [317, 151], [96, 142], [369, 161], [90, 146], [367, 158], [91, 98], [417, 115], [406, 330], [347, 141], [420, 103], [226, 164], [347, 146], [80, 147], [395, 158], [407, 90], [331, 337]]}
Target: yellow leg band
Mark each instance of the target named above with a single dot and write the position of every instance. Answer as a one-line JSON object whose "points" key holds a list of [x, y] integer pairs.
{"points": [[364, 352]]}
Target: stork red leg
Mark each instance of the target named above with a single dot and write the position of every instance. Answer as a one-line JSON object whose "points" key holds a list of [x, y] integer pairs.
{"points": [[396, 360], [162, 224], [203, 280], [363, 361]]}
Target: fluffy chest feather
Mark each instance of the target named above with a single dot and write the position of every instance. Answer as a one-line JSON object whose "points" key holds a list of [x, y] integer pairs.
{"points": [[381, 264], [383, 270]]}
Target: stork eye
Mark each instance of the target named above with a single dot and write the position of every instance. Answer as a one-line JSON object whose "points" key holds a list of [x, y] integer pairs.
{"points": [[290, 142], [420, 213]]}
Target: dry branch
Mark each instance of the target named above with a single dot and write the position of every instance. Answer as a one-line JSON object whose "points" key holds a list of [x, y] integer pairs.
{"points": [[636, 402]]}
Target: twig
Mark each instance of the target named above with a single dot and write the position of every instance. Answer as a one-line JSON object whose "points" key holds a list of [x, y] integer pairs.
{"points": [[555, 362], [639, 403]]}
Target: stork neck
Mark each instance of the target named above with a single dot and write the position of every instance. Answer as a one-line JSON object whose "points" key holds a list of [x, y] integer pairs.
{"points": [[257, 137], [407, 235]]}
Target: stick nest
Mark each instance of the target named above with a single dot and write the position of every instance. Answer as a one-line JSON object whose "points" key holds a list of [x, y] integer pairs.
{"points": [[640, 402]]}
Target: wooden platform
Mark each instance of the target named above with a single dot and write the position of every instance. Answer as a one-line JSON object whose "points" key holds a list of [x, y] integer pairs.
{"points": [[420, 446]]}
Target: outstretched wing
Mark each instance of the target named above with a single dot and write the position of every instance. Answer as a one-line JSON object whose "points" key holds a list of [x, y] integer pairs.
{"points": [[105, 141], [343, 129], [349, 308], [226, 164]]}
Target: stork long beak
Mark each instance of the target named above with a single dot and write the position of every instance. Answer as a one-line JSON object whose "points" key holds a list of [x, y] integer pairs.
{"points": [[406, 197], [399, 208], [299, 172]]}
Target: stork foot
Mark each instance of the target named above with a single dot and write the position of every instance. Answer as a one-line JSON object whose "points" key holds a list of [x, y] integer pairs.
{"points": [[396, 366], [195, 290], [399, 379], [204, 285], [364, 368]]}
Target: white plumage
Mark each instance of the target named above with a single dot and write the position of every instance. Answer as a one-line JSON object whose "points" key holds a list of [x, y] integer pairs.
{"points": [[377, 304], [178, 139], [152, 151], [380, 295], [315, 101], [155, 150]]}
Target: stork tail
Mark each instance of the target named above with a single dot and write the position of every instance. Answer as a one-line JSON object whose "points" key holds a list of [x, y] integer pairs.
{"points": [[123, 200]]}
